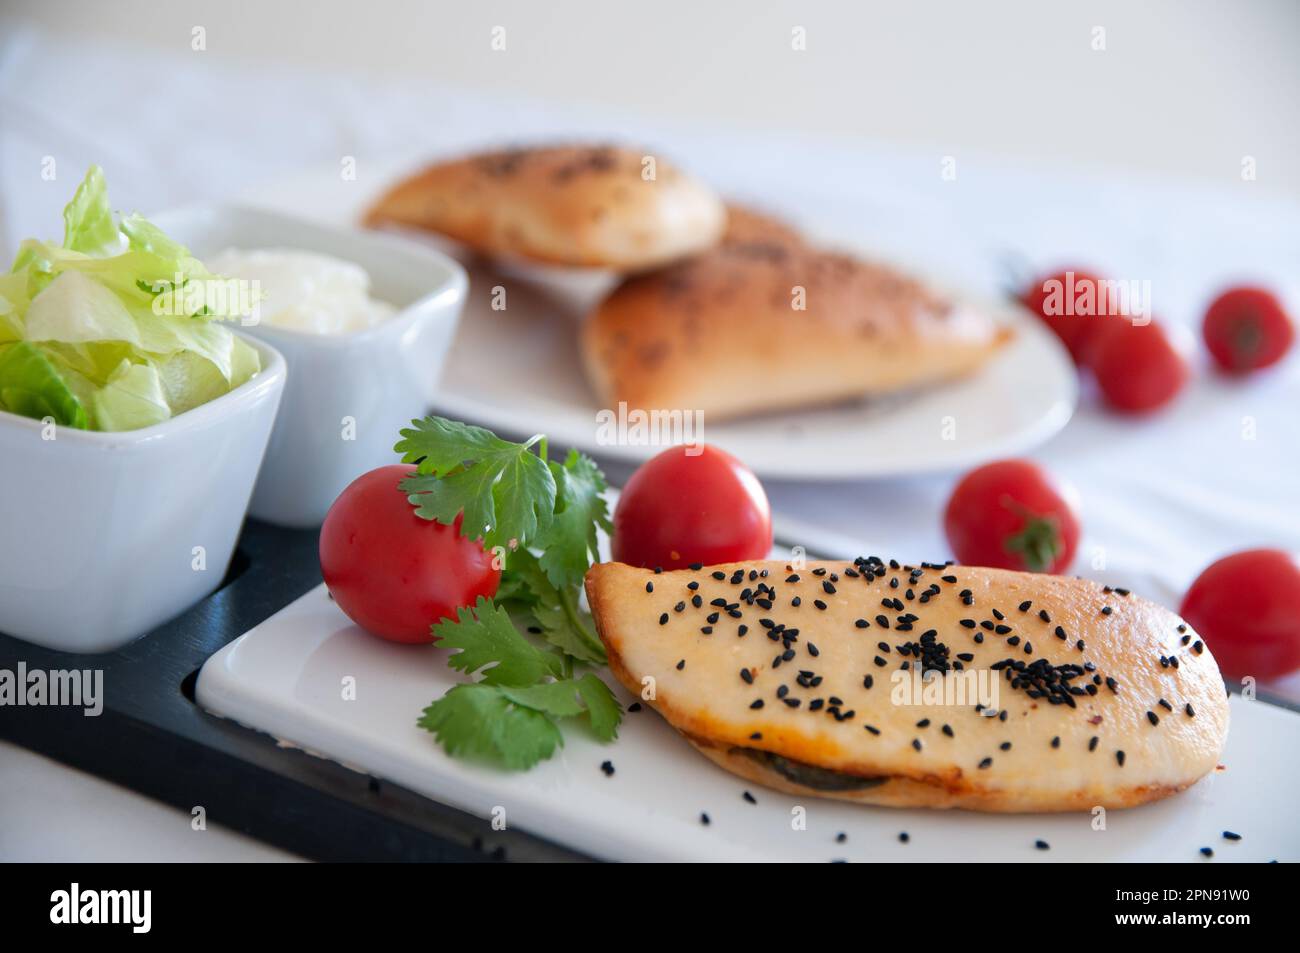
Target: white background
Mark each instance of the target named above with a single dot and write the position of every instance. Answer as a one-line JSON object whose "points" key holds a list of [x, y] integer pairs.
{"points": [[1129, 158]]}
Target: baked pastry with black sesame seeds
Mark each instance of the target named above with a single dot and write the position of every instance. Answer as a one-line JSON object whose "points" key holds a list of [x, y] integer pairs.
{"points": [[577, 205], [861, 700], [766, 322]]}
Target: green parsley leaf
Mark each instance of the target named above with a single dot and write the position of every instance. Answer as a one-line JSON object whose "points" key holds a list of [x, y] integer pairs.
{"points": [[569, 546], [556, 611], [480, 721], [485, 636], [603, 708], [559, 699], [506, 492]]}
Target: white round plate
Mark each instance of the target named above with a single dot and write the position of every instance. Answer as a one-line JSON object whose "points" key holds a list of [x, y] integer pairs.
{"points": [[518, 371]]}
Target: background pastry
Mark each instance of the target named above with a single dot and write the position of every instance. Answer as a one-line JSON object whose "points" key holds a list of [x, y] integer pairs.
{"points": [[764, 322], [590, 206]]}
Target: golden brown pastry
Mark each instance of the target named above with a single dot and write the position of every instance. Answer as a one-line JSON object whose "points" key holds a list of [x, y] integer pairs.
{"points": [[804, 679], [766, 323], [564, 205], [748, 226]]}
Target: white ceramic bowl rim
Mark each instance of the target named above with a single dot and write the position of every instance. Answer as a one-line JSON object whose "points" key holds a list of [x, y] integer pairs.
{"points": [[272, 372], [455, 282]]}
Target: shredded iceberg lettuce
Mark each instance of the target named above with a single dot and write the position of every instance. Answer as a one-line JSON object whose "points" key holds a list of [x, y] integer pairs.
{"points": [[114, 329]]}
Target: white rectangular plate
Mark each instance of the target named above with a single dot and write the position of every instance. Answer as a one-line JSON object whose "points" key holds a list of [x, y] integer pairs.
{"points": [[287, 676]]}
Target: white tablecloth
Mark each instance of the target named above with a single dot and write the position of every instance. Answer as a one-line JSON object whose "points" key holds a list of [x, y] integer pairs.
{"points": [[1162, 496]]}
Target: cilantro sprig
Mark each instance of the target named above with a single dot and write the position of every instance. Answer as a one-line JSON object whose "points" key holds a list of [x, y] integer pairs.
{"points": [[543, 517]]}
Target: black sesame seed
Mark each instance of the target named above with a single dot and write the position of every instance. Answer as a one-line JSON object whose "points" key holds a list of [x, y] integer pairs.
{"points": [[903, 838], [1153, 718], [872, 728], [692, 585], [793, 577], [1119, 758], [1042, 845], [1092, 743], [986, 763], [697, 600], [749, 798], [756, 703], [635, 706], [1230, 835], [1191, 712], [861, 623], [1207, 852], [1005, 746], [704, 819], [747, 676], [819, 604], [916, 743], [681, 665], [608, 768], [1024, 606], [1056, 741], [1106, 610], [1042, 614], [663, 619], [649, 586], [796, 602], [923, 723], [880, 663], [697, 566]]}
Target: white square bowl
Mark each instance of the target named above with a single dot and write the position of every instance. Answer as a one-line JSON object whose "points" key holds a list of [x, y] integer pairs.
{"points": [[366, 385], [107, 535]]}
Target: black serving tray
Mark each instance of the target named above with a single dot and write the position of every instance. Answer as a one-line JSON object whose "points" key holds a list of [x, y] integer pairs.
{"points": [[153, 738]]}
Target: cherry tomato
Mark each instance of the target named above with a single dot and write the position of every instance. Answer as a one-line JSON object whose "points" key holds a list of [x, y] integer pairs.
{"points": [[392, 572], [1247, 608], [1012, 515], [1138, 368], [679, 509], [1246, 329], [1073, 304]]}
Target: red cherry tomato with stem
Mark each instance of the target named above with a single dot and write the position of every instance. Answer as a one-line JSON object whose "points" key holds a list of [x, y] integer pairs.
{"points": [[394, 573], [1247, 329], [1012, 515], [678, 509]]}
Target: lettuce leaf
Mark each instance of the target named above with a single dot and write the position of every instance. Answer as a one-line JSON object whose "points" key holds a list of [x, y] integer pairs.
{"points": [[87, 219], [121, 324], [31, 387]]}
